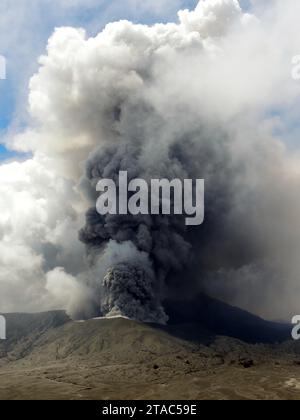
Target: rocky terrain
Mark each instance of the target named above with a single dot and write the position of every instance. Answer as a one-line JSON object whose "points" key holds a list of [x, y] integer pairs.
{"points": [[48, 356]]}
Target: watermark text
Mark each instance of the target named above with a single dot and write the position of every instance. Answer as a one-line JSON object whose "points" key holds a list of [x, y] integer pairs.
{"points": [[160, 196], [2, 67], [296, 329], [2, 328], [296, 67]]}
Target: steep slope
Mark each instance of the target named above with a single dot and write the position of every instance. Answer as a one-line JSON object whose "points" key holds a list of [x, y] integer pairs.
{"points": [[223, 319], [23, 330]]}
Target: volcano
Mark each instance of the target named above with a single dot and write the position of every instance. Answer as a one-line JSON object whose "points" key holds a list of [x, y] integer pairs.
{"points": [[211, 351]]}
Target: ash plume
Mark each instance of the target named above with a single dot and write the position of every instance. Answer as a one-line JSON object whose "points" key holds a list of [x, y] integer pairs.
{"points": [[130, 288], [204, 98], [129, 292]]}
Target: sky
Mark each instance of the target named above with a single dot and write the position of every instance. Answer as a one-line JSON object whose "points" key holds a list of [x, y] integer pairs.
{"points": [[24, 32]]}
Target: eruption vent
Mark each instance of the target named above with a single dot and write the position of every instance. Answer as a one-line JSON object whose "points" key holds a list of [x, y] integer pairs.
{"points": [[129, 292]]}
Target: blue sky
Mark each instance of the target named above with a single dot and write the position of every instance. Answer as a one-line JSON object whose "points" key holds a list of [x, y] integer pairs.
{"points": [[26, 25]]}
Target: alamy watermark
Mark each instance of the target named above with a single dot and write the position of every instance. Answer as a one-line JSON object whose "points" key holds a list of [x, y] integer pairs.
{"points": [[2, 328], [296, 67], [2, 67], [159, 196], [296, 329]]}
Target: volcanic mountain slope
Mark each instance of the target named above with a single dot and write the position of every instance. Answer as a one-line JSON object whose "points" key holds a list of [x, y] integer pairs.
{"points": [[48, 356], [23, 330]]}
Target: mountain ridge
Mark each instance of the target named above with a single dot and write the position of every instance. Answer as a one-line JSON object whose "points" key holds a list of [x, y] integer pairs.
{"points": [[124, 359]]}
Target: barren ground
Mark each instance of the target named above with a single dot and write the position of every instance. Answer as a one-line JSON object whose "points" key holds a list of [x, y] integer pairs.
{"points": [[121, 359]]}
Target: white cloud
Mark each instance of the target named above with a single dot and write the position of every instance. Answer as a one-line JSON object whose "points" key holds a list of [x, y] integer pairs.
{"points": [[32, 22], [38, 231]]}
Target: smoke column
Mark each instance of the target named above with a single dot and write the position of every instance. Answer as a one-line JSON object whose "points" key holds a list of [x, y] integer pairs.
{"points": [[204, 98], [157, 137], [136, 287]]}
